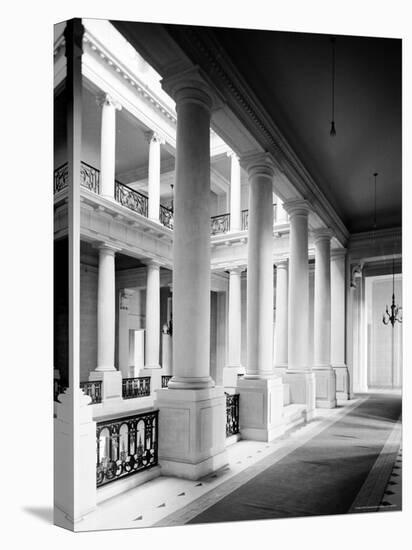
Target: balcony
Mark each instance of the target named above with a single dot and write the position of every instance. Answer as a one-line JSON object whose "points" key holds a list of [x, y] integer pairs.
{"points": [[138, 202]]}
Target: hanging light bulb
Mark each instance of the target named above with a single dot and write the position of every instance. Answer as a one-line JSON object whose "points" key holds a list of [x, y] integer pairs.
{"points": [[332, 124]]}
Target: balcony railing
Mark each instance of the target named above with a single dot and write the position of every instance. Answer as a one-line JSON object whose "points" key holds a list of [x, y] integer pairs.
{"points": [[89, 177], [166, 216], [219, 224], [93, 389], [165, 380], [232, 414], [136, 387], [130, 198], [126, 446]]}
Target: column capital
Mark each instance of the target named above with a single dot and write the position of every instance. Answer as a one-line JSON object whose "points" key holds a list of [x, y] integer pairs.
{"points": [[154, 137], [106, 99], [338, 253], [258, 164], [108, 248], [189, 86], [236, 269], [153, 263], [282, 263], [233, 155], [322, 234], [297, 207]]}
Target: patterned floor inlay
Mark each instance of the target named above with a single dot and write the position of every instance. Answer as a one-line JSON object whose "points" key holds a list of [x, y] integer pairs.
{"points": [[392, 497]]}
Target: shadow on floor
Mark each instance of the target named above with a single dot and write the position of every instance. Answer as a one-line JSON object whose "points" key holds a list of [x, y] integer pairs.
{"points": [[44, 513]]}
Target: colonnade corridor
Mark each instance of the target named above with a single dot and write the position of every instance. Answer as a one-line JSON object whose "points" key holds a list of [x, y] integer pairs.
{"points": [[346, 460]]}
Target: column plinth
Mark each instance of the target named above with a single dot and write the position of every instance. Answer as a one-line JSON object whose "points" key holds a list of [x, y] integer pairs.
{"points": [[299, 375], [324, 374]]}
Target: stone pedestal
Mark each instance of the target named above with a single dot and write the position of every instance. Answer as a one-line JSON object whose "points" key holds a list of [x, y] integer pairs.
{"points": [[325, 387], [70, 506], [342, 382], [192, 424], [302, 389], [260, 408], [111, 383]]}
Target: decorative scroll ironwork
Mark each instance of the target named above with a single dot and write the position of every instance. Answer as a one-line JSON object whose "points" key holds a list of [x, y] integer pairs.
{"points": [[90, 177], [130, 198], [61, 175], [126, 446], [93, 389], [166, 216], [135, 387], [165, 380], [245, 220], [232, 414], [220, 224]]}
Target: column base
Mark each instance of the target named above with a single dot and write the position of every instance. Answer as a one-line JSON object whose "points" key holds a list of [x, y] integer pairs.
{"points": [[325, 387], [260, 408], [111, 384], [230, 375], [302, 389], [342, 382], [192, 424]]}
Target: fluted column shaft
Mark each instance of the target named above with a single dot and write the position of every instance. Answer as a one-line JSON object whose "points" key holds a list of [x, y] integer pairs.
{"points": [[106, 309], [152, 334], [108, 146], [260, 269], [235, 211], [191, 240], [154, 177], [281, 327], [235, 318], [298, 309], [322, 326]]}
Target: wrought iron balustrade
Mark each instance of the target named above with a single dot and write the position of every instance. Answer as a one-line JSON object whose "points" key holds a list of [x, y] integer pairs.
{"points": [[128, 197], [165, 380], [61, 175], [90, 177], [245, 220], [126, 446], [93, 389], [166, 216], [219, 224], [232, 414], [135, 387]]}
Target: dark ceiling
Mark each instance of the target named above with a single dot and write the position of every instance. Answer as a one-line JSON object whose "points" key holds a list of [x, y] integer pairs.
{"points": [[291, 74]]}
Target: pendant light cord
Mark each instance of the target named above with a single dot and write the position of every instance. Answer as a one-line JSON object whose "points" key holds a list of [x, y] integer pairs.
{"points": [[332, 126]]}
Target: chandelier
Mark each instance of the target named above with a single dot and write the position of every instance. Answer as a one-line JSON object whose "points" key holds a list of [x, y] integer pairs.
{"points": [[396, 311]]}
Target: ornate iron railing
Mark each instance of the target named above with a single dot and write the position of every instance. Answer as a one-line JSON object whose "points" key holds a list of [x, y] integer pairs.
{"points": [[245, 220], [126, 446], [135, 387], [93, 389], [219, 224], [166, 216], [60, 178], [130, 198], [165, 380], [90, 177], [232, 414]]}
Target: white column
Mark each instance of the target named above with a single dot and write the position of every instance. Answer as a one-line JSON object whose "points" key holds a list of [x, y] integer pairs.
{"points": [[325, 375], [108, 145], [281, 328], [123, 333], [191, 409], [261, 392], [154, 176], [235, 210], [338, 316], [282, 216], [106, 319], [299, 375], [234, 337], [152, 338]]}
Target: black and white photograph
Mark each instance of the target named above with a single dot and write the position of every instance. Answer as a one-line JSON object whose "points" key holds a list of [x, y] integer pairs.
{"points": [[226, 278]]}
